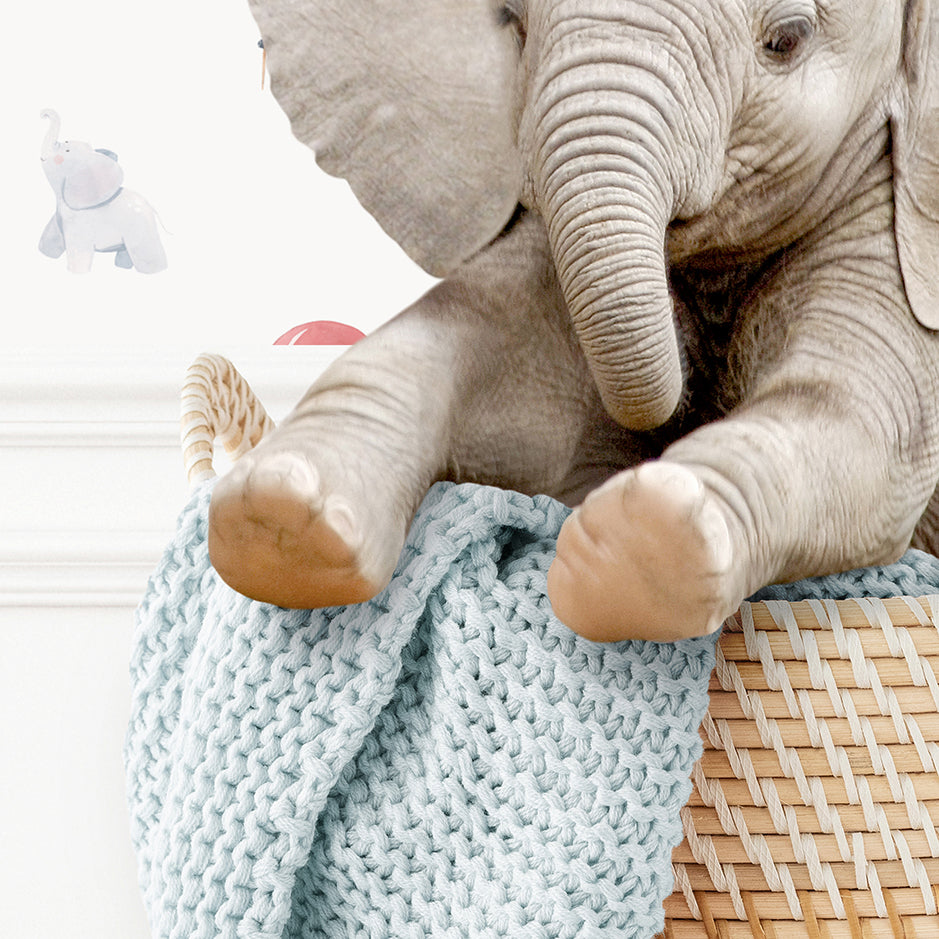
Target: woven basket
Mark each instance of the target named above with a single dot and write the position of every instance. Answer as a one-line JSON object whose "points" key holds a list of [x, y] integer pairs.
{"points": [[816, 800], [815, 803]]}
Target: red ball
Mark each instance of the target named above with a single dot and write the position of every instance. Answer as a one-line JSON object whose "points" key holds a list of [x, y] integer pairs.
{"points": [[321, 333]]}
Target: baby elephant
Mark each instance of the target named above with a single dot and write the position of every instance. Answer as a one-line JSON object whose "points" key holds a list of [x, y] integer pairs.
{"points": [[93, 212], [690, 252]]}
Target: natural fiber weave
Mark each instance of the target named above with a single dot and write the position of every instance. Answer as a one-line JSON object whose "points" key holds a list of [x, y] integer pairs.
{"points": [[218, 404], [816, 801]]}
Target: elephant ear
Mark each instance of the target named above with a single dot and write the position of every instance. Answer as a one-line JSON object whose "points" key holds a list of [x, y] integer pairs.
{"points": [[915, 131], [95, 177], [413, 103]]}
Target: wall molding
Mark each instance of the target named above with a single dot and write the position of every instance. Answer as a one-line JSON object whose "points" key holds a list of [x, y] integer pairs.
{"points": [[77, 568], [65, 434], [125, 390], [92, 415]]}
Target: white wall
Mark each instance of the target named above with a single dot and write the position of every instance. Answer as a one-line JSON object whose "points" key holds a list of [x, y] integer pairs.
{"points": [[258, 241]]}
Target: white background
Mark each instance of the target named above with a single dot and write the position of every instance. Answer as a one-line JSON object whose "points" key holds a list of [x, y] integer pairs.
{"points": [[258, 241]]}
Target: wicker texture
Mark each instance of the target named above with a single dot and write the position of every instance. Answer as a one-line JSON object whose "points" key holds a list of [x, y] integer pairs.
{"points": [[218, 404], [816, 801]]}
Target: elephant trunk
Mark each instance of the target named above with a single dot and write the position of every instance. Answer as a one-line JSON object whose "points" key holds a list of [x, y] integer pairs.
{"points": [[52, 134], [615, 163], [608, 236]]}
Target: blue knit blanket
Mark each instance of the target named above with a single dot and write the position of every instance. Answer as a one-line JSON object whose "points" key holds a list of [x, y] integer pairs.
{"points": [[445, 760]]}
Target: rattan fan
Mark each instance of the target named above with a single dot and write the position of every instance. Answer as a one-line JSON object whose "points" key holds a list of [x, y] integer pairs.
{"points": [[816, 801]]}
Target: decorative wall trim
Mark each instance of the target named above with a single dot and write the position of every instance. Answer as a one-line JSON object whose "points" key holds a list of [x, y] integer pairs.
{"points": [[116, 388], [77, 568], [92, 415], [65, 434]]}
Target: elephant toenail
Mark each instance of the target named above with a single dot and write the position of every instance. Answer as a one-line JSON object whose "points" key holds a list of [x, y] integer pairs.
{"points": [[340, 518]]}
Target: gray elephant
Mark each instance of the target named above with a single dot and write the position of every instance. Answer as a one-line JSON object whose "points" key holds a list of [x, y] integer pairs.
{"points": [[93, 212], [690, 252]]}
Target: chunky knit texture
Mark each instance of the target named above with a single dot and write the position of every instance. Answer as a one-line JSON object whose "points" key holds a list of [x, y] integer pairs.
{"points": [[446, 760], [916, 574]]}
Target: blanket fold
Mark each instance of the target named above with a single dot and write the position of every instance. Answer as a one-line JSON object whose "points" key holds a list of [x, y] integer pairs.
{"points": [[444, 760]]}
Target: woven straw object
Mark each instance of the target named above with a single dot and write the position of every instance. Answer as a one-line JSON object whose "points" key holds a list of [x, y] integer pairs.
{"points": [[218, 404], [816, 801]]}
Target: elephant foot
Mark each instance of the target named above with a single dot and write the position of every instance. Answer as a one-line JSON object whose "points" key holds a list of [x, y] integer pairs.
{"points": [[80, 263], [280, 534], [647, 556]]}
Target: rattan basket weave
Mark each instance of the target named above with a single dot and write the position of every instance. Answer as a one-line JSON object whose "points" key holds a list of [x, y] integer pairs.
{"points": [[816, 801]]}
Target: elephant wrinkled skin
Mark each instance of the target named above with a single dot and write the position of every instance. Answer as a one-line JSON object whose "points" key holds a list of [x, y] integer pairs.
{"points": [[689, 251]]}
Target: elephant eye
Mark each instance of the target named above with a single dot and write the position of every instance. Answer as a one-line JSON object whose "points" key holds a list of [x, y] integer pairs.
{"points": [[783, 40], [512, 14]]}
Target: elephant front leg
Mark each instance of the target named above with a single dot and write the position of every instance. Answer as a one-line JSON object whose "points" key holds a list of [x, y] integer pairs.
{"points": [[648, 555], [79, 258], [316, 514], [827, 466], [480, 381]]}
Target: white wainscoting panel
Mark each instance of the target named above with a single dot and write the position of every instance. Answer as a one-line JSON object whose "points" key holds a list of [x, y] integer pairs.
{"points": [[91, 467], [92, 481]]}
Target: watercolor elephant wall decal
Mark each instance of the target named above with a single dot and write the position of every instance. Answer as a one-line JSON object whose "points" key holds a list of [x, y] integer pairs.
{"points": [[690, 252], [94, 212]]}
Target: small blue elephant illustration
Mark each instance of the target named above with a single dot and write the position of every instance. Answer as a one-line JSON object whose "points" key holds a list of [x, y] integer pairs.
{"points": [[94, 212]]}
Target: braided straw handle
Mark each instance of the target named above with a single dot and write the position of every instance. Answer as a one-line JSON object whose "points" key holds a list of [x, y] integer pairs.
{"points": [[217, 403]]}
